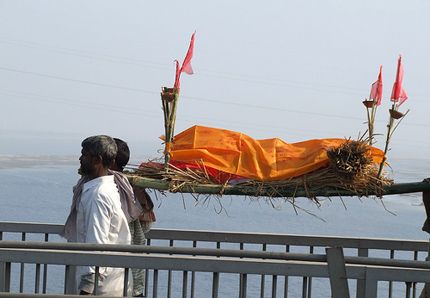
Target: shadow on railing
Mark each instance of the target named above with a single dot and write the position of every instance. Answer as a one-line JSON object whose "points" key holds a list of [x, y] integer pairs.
{"points": [[248, 258]]}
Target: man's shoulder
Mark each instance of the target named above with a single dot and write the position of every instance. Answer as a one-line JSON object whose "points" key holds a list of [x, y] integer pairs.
{"points": [[98, 182], [107, 188], [103, 187]]}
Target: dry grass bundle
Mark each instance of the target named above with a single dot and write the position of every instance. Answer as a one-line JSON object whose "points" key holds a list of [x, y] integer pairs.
{"points": [[350, 160]]}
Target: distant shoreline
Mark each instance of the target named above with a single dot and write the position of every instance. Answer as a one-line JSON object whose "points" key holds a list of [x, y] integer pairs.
{"points": [[26, 161]]}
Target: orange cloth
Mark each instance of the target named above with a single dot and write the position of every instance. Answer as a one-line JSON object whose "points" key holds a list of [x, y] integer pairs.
{"points": [[265, 160]]}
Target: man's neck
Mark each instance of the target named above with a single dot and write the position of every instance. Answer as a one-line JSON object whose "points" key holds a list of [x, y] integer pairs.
{"points": [[100, 172]]}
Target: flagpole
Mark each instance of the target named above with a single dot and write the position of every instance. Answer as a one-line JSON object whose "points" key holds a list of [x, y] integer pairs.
{"points": [[387, 141], [373, 102], [373, 112], [369, 120], [170, 98], [398, 96], [374, 108]]}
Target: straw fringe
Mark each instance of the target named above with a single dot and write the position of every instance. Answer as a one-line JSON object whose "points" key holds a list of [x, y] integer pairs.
{"points": [[350, 168]]}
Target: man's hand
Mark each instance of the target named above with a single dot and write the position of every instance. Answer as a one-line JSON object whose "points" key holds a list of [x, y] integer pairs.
{"points": [[86, 286]]}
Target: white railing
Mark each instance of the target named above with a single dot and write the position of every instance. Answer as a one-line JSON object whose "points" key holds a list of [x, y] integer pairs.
{"points": [[227, 254]]}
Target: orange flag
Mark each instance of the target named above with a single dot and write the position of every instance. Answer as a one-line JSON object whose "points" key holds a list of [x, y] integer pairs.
{"points": [[399, 94]]}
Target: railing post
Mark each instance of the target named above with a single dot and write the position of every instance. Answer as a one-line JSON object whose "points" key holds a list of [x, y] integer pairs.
{"points": [[3, 272], [2, 276], [215, 285], [45, 270], [145, 290], [414, 284], [390, 283], [184, 284], [126, 278], [337, 272], [311, 251], [5, 276], [193, 276], [241, 246], [169, 276], [287, 249], [155, 284], [244, 286], [274, 285], [305, 287], [426, 290], [70, 286], [22, 272], [263, 278], [37, 279], [96, 281], [371, 289], [361, 284], [408, 285]]}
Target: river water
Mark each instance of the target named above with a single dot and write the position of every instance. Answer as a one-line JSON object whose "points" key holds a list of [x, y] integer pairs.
{"points": [[43, 194]]}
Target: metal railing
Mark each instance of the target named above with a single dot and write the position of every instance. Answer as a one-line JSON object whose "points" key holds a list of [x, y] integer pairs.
{"points": [[182, 252]]}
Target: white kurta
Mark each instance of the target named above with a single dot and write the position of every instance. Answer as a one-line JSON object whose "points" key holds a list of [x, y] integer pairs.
{"points": [[101, 220]]}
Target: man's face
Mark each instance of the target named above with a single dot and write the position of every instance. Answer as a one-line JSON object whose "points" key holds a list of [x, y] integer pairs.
{"points": [[87, 163]]}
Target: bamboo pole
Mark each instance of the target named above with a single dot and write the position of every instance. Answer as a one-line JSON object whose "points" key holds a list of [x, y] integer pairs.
{"points": [[394, 115], [387, 142], [369, 105], [370, 125], [373, 115], [213, 189], [169, 99]]}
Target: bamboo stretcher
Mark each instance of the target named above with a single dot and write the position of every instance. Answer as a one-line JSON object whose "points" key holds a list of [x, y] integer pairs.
{"points": [[240, 190]]}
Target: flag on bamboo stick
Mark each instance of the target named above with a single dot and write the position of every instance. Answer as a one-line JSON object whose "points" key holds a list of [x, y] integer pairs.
{"points": [[398, 94], [376, 90], [186, 64]]}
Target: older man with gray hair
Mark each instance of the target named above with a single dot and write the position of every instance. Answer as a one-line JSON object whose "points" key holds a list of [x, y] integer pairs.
{"points": [[100, 218]]}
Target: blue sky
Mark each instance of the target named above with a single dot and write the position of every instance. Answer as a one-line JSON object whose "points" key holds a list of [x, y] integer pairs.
{"points": [[295, 70]]}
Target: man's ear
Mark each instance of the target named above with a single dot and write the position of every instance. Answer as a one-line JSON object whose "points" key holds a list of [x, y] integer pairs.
{"points": [[98, 159], [113, 165]]}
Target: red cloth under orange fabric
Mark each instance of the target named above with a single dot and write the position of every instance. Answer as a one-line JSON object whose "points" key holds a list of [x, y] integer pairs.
{"points": [[266, 160], [214, 174]]}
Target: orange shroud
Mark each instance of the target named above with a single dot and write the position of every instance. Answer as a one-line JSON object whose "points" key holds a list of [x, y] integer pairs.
{"points": [[265, 160]]}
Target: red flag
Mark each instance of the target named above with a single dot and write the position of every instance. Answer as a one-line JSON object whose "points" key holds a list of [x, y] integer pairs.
{"points": [[186, 64], [399, 94], [376, 91]]}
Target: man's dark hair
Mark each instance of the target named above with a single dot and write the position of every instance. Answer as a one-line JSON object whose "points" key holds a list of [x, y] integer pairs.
{"points": [[103, 146], [123, 154]]}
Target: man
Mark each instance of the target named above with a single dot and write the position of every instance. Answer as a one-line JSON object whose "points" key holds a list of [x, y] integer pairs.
{"points": [[426, 228], [99, 217], [426, 201], [143, 223]]}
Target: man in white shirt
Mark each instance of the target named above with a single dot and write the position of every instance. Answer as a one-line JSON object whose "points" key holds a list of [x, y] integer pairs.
{"points": [[100, 218]]}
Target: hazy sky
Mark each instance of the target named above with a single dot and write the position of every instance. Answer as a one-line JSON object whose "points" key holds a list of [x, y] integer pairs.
{"points": [[290, 69]]}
